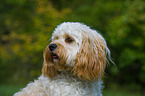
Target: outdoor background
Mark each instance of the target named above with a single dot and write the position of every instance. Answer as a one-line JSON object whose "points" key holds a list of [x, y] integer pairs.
{"points": [[27, 25]]}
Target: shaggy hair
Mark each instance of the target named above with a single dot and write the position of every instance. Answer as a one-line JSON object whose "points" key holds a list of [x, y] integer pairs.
{"points": [[74, 63]]}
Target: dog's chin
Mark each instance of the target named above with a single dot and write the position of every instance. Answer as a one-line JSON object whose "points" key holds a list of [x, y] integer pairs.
{"points": [[55, 61]]}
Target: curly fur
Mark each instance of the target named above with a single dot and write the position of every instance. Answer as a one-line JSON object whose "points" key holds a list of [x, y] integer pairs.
{"points": [[82, 55]]}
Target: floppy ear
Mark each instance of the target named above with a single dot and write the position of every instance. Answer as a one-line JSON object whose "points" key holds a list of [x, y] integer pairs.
{"points": [[91, 60], [48, 66]]}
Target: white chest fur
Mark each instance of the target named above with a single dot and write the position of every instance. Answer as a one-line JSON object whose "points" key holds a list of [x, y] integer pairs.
{"points": [[61, 85]]}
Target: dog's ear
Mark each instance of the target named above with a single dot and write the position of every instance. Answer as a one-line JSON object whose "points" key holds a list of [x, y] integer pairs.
{"points": [[91, 59], [48, 66]]}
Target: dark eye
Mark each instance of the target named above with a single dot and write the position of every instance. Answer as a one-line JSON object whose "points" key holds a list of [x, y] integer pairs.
{"points": [[56, 37], [68, 40]]}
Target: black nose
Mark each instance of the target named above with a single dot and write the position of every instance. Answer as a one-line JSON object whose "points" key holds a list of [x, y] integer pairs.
{"points": [[52, 47]]}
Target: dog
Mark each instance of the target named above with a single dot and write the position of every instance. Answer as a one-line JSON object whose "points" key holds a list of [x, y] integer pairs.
{"points": [[74, 63]]}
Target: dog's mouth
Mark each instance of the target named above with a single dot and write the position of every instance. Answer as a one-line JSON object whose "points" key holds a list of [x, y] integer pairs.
{"points": [[54, 56]]}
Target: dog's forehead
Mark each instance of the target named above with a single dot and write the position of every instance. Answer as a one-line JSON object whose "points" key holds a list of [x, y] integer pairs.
{"points": [[72, 29], [73, 33]]}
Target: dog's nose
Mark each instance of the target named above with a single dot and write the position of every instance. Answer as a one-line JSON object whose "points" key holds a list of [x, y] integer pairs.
{"points": [[52, 47]]}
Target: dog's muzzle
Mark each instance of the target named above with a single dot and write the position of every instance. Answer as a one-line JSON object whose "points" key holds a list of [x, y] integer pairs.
{"points": [[52, 48]]}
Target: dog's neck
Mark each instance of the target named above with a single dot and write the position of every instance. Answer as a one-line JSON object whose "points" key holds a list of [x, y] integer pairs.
{"points": [[67, 75]]}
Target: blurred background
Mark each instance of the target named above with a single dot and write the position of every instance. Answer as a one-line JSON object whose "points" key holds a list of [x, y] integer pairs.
{"points": [[27, 25]]}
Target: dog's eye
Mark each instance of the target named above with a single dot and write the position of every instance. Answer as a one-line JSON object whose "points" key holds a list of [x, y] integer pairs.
{"points": [[55, 38], [68, 40]]}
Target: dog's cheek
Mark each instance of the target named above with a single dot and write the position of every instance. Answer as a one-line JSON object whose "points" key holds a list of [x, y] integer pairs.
{"points": [[62, 53], [72, 51]]}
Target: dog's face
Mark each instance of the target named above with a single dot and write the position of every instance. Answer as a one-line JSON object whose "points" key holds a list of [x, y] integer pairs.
{"points": [[77, 49], [68, 43]]}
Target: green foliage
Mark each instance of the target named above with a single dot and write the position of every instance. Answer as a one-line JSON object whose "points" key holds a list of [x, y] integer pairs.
{"points": [[26, 26], [126, 36]]}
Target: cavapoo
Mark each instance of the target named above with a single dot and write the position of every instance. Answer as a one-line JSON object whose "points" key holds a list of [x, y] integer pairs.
{"points": [[74, 63]]}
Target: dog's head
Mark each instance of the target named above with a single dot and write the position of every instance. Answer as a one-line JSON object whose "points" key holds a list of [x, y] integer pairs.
{"points": [[78, 49]]}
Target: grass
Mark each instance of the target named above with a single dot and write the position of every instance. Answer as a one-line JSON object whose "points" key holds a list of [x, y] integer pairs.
{"points": [[9, 90], [120, 92], [125, 90]]}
